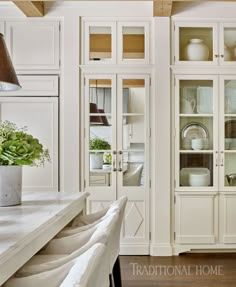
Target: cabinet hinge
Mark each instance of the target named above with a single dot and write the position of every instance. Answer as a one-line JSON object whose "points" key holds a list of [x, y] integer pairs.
{"points": [[175, 199], [174, 27], [84, 183], [150, 183], [174, 235], [150, 235]]}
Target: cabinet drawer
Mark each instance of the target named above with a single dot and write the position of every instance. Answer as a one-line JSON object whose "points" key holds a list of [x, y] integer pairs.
{"points": [[35, 86], [99, 179], [33, 44]]}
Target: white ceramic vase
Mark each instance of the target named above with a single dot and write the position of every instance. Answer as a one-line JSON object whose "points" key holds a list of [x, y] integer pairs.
{"points": [[196, 50], [96, 160], [10, 185]]}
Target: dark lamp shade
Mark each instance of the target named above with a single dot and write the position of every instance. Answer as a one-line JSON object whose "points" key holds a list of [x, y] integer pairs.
{"points": [[8, 78], [95, 119], [104, 118]]}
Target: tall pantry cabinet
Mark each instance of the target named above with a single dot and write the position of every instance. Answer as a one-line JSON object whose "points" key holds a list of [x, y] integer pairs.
{"points": [[204, 135], [115, 106], [34, 49]]}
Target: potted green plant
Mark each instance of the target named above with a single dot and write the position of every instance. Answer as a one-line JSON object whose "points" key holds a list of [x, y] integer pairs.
{"points": [[17, 148], [98, 146]]}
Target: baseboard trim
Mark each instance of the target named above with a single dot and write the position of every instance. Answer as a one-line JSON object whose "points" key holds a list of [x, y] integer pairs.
{"points": [[134, 249], [161, 250]]}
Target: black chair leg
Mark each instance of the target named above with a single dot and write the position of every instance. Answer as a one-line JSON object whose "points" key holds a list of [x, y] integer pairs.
{"points": [[111, 281], [117, 273]]}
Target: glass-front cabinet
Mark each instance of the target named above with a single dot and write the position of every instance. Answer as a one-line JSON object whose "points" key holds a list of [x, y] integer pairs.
{"points": [[205, 133], [116, 42], [116, 135], [204, 43]]}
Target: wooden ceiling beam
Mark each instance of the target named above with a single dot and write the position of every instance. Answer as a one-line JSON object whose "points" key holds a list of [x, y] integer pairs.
{"points": [[162, 8], [31, 8]]}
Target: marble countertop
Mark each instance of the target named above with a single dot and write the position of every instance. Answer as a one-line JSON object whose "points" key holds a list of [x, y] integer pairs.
{"points": [[26, 228]]}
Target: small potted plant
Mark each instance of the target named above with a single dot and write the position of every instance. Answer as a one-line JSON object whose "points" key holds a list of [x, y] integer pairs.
{"points": [[17, 148], [96, 157]]}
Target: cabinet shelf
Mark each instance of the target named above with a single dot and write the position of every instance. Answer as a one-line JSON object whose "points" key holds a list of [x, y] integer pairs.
{"points": [[196, 151], [196, 115]]}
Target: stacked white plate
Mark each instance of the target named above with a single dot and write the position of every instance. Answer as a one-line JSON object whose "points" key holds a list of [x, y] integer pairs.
{"points": [[194, 176]]}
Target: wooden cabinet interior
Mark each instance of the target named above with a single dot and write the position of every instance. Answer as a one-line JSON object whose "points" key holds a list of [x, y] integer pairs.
{"points": [[100, 46]]}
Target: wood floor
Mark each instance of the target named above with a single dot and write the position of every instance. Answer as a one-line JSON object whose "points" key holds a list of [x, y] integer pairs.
{"points": [[192, 270]]}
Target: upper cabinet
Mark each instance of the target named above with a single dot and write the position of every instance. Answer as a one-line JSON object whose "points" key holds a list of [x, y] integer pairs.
{"points": [[33, 45], [204, 43], [116, 42]]}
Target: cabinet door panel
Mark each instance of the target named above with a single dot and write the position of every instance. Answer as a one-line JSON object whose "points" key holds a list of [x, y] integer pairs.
{"points": [[34, 86], [33, 44], [227, 218], [41, 118], [196, 220]]}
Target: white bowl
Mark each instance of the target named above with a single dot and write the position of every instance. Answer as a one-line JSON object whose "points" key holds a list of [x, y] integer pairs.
{"points": [[199, 178], [186, 171]]}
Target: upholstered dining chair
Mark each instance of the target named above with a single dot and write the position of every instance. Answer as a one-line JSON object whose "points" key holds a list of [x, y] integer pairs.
{"points": [[85, 221], [83, 271], [60, 251]]}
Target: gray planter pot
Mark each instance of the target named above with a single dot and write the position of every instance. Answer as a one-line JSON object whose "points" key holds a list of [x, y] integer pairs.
{"points": [[10, 185], [96, 160]]}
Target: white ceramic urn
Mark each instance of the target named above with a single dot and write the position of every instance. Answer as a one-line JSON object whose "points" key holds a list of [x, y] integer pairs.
{"points": [[196, 50]]}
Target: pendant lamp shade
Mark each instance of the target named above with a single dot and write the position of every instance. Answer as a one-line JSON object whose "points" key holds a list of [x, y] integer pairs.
{"points": [[104, 118], [8, 78], [95, 119]]}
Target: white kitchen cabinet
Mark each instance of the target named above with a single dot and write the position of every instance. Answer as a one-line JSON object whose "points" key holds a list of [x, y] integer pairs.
{"points": [[196, 216], [217, 37], [115, 42], [34, 86], [2, 26], [227, 232], [33, 44], [205, 160], [40, 115], [128, 170]]}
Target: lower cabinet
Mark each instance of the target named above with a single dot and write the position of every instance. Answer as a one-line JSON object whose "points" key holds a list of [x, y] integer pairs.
{"points": [[227, 217], [204, 220], [40, 115]]}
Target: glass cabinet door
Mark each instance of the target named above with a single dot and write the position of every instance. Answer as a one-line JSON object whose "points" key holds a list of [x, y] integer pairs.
{"points": [[100, 140], [228, 135], [133, 44], [133, 131], [196, 133], [100, 44], [227, 44], [195, 43]]}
